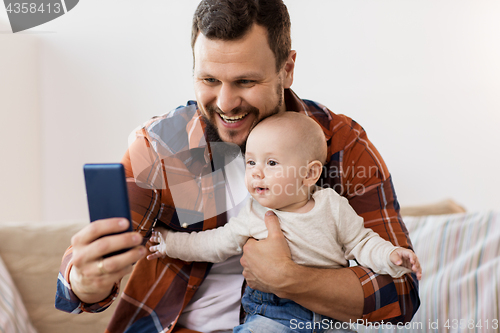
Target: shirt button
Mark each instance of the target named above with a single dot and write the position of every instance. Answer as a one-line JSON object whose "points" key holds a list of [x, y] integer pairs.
{"points": [[184, 225]]}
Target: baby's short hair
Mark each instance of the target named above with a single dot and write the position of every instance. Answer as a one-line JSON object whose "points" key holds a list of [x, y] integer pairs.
{"points": [[305, 130]]}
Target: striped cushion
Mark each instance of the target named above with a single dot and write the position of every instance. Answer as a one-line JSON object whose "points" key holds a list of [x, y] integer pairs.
{"points": [[460, 257], [13, 316]]}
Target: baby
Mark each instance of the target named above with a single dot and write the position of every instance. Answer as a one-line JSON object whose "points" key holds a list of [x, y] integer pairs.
{"points": [[284, 159]]}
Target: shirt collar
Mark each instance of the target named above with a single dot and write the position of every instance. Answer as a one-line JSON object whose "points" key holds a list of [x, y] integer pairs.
{"points": [[294, 103]]}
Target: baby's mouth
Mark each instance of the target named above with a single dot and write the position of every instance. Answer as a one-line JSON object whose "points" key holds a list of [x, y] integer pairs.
{"points": [[261, 190]]}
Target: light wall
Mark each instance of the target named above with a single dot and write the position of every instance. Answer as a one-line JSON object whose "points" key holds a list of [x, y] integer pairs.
{"points": [[20, 129], [422, 77]]}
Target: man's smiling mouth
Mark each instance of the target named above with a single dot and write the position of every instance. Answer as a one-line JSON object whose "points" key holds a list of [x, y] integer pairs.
{"points": [[234, 119]]}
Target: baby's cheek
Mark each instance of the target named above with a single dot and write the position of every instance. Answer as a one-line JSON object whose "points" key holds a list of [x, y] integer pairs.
{"points": [[248, 183]]}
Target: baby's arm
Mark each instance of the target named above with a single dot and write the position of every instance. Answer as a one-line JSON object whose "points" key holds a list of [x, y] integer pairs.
{"points": [[406, 258], [215, 245], [371, 250]]}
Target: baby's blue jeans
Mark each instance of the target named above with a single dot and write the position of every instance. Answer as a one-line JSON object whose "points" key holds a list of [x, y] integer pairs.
{"points": [[269, 313]]}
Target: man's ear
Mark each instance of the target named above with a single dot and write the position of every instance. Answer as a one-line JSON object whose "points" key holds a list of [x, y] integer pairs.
{"points": [[288, 69], [314, 170]]}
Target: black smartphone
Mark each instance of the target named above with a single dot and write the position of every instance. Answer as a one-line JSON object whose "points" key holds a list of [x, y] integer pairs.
{"points": [[107, 194]]}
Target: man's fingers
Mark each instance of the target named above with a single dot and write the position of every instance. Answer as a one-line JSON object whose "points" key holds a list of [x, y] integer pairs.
{"points": [[84, 255], [98, 229], [92, 276], [248, 245], [116, 263], [272, 224], [89, 276], [113, 243]]}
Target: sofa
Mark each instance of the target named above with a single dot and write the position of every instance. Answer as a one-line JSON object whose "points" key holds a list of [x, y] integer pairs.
{"points": [[460, 255], [460, 286], [31, 253]]}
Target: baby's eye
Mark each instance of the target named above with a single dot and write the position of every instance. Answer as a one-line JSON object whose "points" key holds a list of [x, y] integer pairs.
{"points": [[250, 162], [272, 163]]}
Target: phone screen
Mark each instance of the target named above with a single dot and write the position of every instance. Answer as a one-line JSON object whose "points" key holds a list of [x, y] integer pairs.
{"points": [[107, 194]]}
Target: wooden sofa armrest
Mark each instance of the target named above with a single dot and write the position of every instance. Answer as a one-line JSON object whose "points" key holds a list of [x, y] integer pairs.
{"points": [[447, 206]]}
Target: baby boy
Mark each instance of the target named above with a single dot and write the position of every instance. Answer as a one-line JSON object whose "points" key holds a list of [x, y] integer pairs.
{"points": [[284, 160]]}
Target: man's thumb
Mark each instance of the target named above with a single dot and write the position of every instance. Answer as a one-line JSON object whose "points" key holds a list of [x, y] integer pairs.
{"points": [[272, 224]]}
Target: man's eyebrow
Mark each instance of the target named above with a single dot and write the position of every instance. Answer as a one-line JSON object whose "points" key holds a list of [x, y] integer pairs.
{"points": [[244, 76], [201, 74], [249, 75]]}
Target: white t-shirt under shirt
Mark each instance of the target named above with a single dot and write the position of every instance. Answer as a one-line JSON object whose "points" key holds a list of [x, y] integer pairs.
{"points": [[216, 304]]}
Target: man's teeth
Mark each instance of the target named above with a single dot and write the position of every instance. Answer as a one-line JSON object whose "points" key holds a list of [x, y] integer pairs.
{"points": [[232, 119]]}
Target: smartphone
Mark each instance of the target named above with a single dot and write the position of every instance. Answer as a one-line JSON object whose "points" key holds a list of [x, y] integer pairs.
{"points": [[107, 194]]}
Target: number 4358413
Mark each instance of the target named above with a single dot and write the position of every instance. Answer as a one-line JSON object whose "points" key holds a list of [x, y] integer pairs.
{"points": [[471, 324], [26, 7]]}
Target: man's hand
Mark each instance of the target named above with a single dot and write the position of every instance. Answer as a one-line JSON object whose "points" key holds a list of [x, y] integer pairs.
{"points": [[264, 261], [92, 277], [268, 267]]}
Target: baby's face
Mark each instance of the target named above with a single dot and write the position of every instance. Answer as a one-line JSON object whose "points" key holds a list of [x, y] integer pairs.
{"points": [[275, 169]]}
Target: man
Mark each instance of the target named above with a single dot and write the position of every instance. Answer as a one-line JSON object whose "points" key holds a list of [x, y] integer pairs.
{"points": [[243, 71]]}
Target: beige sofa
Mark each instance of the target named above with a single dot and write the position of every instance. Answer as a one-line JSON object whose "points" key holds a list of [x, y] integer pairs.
{"points": [[32, 253]]}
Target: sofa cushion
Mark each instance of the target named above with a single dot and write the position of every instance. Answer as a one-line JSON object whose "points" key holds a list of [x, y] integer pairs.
{"points": [[32, 253], [13, 315], [460, 258]]}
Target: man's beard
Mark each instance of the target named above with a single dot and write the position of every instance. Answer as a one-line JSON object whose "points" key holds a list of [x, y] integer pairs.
{"points": [[214, 111], [217, 146], [212, 133]]}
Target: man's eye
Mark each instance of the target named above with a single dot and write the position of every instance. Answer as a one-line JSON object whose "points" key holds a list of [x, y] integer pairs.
{"points": [[210, 80], [246, 82]]}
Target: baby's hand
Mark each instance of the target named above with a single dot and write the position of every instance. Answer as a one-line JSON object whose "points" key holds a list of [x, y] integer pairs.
{"points": [[158, 250], [407, 258]]}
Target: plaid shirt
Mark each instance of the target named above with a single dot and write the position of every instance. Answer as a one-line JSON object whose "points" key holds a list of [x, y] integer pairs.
{"points": [[159, 290]]}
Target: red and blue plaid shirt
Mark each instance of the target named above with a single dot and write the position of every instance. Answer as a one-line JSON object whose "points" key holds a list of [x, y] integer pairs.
{"points": [[158, 290]]}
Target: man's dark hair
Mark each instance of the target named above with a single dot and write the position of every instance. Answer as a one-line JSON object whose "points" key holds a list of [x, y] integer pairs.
{"points": [[232, 19]]}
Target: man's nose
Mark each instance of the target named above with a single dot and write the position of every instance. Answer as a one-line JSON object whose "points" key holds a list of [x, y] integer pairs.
{"points": [[228, 98]]}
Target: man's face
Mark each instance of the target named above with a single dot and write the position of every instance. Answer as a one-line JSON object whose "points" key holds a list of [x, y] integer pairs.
{"points": [[236, 83]]}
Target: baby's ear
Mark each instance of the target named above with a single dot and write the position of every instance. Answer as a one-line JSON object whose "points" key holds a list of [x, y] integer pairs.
{"points": [[314, 169]]}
